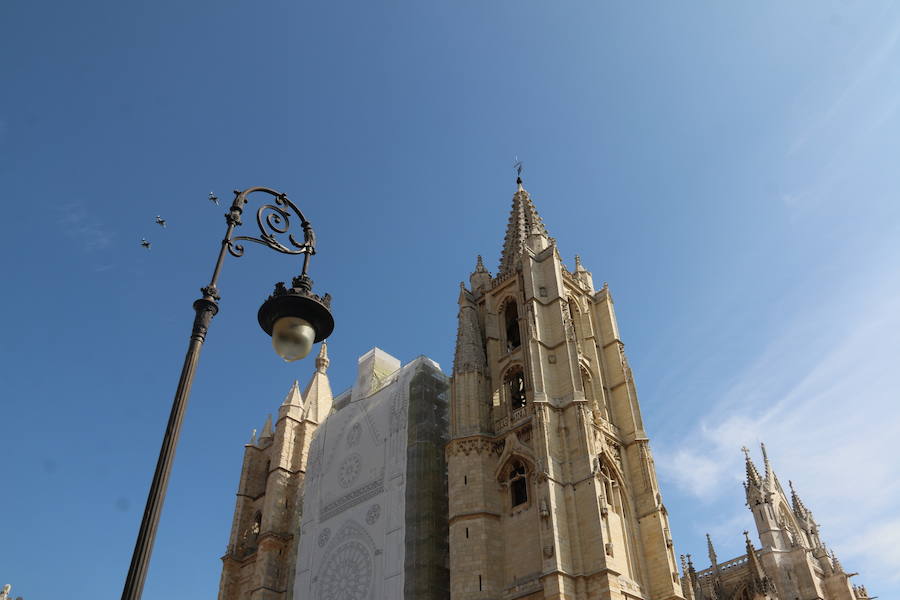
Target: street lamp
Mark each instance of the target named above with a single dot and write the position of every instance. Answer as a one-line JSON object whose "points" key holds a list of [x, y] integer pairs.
{"points": [[294, 317]]}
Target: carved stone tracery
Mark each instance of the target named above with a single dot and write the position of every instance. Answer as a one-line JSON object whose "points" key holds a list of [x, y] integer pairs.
{"points": [[467, 446]]}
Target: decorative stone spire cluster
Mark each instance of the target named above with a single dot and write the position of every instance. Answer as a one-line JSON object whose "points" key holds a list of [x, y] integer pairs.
{"points": [[836, 564], [799, 508], [524, 223], [753, 477], [759, 488]]}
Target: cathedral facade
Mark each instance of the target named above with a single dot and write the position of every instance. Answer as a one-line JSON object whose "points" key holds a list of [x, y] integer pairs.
{"points": [[543, 486]]}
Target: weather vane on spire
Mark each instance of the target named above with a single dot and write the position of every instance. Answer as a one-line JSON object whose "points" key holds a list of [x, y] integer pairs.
{"points": [[518, 167]]}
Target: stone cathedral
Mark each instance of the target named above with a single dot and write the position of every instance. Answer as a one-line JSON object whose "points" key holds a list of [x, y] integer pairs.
{"points": [[526, 475]]}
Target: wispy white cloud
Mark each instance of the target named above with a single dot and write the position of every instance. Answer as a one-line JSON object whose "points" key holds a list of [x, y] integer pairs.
{"points": [[866, 68], [824, 397], [82, 228]]}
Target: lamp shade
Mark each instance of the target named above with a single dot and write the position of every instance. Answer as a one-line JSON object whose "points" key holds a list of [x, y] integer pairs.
{"points": [[290, 313]]}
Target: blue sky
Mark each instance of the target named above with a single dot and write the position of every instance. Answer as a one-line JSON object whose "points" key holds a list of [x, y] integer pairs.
{"points": [[730, 170]]}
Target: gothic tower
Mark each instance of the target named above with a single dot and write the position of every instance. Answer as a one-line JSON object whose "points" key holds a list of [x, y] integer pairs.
{"points": [[552, 487], [262, 548]]}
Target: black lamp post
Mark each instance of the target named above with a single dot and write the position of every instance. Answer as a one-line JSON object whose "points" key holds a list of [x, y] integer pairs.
{"points": [[294, 317]]}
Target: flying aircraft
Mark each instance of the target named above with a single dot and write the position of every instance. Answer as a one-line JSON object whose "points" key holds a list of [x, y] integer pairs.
{"points": [[213, 199], [160, 221], [145, 243]]}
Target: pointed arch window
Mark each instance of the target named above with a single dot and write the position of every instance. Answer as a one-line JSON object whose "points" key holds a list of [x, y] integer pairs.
{"points": [[790, 530], [518, 483], [511, 319], [598, 406], [610, 488], [257, 525], [573, 316], [515, 389]]}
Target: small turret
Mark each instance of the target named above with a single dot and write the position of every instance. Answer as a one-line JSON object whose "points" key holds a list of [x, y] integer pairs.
{"points": [[480, 279], [318, 393], [322, 361], [583, 275]]}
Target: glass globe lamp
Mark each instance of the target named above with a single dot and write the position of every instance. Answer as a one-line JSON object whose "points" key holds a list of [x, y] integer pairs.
{"points": [[292, 338]]}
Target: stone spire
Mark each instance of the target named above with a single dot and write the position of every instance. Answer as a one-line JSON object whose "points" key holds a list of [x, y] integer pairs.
{"points": [[770, 479], [267, 429], [583, 275], [751, 553], [753, 477], [322, 361], [759, 580], [293, 398], [695, 581], [799, 508], [480, 279], [469, 354], [713, 560], [838, 567], [318, 393], [293, 403], [524, 224], [687, 580]]}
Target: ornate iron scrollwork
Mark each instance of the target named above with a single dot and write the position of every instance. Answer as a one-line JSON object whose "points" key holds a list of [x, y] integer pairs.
{"points": [[274, 220]]}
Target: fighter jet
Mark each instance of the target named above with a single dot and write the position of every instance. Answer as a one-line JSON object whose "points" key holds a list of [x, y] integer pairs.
{"points": [[145, 243], [213, 199], [160, 221]]}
